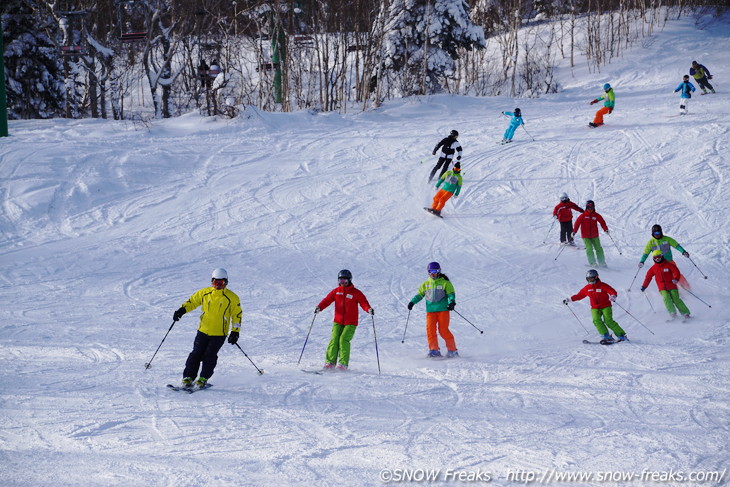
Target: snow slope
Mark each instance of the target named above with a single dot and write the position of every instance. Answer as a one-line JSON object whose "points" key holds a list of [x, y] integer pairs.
{"points": [[107, 230]]}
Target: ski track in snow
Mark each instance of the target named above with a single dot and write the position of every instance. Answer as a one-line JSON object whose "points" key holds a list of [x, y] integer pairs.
{"points": [[106, 231]]}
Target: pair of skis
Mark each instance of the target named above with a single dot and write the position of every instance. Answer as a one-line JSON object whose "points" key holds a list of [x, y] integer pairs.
{"points": [[588, 342], [188, 390]]}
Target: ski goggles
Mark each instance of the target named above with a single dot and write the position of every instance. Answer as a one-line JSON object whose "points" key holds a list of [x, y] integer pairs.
{"points": [[343, 280], [656, 233], [219, 282]]}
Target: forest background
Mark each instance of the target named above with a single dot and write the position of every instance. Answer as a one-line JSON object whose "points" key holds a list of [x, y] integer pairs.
{"points": [[144, 59]]}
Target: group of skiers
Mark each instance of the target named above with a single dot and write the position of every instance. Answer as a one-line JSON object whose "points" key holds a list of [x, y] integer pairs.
{"points": [[221, 307], [601, 296], [221, 317]]}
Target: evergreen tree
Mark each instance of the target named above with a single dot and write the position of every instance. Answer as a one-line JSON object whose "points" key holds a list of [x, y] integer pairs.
{"points": [[422, 39], [33, 71]]}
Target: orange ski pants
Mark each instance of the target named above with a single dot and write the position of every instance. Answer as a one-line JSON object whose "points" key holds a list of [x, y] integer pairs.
{"points": [[439, 320], [599, 116], [440, 199]]}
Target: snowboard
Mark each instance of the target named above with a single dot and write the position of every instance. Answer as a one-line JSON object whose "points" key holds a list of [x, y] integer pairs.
{"points": [[431, 211]]}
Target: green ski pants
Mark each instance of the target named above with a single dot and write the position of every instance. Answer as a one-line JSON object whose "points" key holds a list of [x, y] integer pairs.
{"points": [[603, 318], [340, 343], [672, 299], [591, 244]]}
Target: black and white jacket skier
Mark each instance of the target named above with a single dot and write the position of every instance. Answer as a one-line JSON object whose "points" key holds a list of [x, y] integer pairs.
{"points": [[449, 146]]}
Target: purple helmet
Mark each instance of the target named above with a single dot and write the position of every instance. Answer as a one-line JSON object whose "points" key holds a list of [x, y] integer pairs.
{"points": [[434, 267]]}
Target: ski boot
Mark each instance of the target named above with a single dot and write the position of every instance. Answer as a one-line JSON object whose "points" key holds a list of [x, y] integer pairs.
{"points": [[186, 382], [622, 338], [200, 383], [329, 366], [341, 367], [452, 354], [434, 353], [607, 339]]}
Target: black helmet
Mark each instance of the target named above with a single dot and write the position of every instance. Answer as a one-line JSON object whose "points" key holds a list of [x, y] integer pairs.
{"points": [[592, 276], [345, 274], [656, 231], [454, 133], [518, 112], [590, 204]]}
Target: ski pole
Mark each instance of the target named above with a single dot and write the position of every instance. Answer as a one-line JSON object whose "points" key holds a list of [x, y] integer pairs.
{"points": [[406, 328], [472, 324], [649, 301], [550, 230], [693, 294], [632, 281], [375, 336], [149, 364], [693, 263], [562, 247], [565, 302], [634, 317], [528, 133], [614, 242], [261, 372], [306, 339]]}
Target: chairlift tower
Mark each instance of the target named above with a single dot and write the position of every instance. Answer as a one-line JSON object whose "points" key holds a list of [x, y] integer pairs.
{"points": [[3, 94]]}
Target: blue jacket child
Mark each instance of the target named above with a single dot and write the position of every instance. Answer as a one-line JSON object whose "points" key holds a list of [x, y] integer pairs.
{"points": [[686, 89], [515, 122]]}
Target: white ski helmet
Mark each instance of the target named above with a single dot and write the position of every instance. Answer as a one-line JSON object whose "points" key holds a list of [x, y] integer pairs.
{"points": [[219, 273], [564, 197]]}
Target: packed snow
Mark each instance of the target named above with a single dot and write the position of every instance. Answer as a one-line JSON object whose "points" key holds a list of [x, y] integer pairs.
{"points": [[107, 228]]}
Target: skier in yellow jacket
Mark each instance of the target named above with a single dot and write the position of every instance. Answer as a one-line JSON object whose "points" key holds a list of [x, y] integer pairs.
{"points": [[221, 311]]}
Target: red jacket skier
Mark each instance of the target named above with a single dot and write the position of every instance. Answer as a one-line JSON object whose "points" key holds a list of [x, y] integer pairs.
{"points": [[346, 298], [563, 212], [598, 293], [588, 222], [601, 295], [666, 274]]}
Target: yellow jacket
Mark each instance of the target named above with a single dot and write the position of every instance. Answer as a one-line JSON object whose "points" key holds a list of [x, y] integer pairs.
{"points": [[221, 308]]}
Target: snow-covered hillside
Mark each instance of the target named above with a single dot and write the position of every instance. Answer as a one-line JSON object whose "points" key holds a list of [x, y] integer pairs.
{"points": [[107, 230]]}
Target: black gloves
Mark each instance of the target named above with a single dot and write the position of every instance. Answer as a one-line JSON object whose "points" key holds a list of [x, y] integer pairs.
{"points": [[458, 158], [434, 152], [566, 301], [178, 314], [451, 306], [610, 109], [233, 338], [372, 312], [317, 310], [410, 306], [642, 288], [685, 253]]}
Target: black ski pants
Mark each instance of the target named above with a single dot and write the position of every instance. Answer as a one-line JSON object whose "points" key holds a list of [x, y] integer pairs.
{"points": [[443, 161], [704, 83], [566, 231], [205, 351]]}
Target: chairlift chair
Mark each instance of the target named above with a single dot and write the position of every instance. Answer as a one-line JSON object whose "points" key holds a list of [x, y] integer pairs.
{"points": [[132, 21], [71, 26]]}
